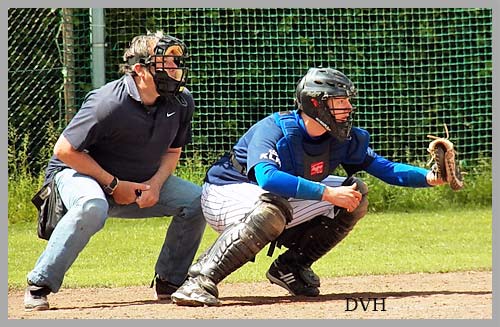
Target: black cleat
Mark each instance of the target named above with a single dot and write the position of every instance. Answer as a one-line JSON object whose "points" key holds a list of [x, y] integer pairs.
{"points": [[296, 279], [163, 288]]}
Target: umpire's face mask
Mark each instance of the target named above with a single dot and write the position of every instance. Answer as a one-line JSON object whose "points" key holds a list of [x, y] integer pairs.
{"points": [[168, 63]]}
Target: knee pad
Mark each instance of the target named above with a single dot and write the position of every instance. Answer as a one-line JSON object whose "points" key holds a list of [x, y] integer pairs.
{"points": [[240, 242]]}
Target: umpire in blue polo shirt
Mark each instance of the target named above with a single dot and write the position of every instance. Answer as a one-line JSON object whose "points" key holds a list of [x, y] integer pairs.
{"points": [[116, 158]]}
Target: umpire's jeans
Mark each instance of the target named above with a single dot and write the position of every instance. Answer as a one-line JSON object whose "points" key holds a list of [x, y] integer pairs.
{"points": [[88, 209]]}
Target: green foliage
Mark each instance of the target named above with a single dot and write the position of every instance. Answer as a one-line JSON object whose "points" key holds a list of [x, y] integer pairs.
{"points": [[192, 169], [22, 183], [21, 189], [21, 157], [52, 133], [17, 152], [125, 251]]}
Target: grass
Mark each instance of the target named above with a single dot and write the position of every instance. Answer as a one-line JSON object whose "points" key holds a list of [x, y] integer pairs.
{"points": [[125, 251]]}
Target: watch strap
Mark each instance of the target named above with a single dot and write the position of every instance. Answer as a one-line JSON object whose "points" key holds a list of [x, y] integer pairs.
{"points": [[110, 188]]}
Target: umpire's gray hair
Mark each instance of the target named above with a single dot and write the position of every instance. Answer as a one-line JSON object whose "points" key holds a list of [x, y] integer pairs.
{"points": [[140, 46]]}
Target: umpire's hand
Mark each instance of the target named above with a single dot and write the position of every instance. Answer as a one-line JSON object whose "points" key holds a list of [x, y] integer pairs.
{"points": [[125, 192], [151, 196]]}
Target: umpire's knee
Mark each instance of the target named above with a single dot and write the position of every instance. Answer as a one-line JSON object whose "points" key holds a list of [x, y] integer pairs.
{"points": [[94, 213]]}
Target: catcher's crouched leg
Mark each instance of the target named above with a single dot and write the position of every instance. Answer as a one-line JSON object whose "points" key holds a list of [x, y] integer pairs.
{"points": [[235, 246], [310, 241]]}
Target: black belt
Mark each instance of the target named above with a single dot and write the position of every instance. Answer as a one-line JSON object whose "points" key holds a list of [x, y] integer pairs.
{"points": [[240, 168]]}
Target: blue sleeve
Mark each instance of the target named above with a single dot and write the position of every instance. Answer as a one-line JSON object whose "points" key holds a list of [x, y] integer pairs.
{"points": [[278, 182], [397, 173]]}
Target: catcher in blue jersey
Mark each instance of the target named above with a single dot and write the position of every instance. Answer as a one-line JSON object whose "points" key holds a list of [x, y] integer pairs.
{"points": [[275, 187]]}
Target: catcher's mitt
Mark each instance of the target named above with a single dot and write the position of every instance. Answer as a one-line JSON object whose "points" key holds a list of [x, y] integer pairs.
{"points": [[445, 166]]}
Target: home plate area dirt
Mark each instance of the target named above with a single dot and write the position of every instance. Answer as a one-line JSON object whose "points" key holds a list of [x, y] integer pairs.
{"points": [[458, 295]]}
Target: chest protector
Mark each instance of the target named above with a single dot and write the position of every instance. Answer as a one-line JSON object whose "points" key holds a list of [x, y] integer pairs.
{"points": [[316, 159]]}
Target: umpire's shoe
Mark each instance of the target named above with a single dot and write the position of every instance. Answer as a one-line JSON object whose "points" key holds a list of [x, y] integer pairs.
{"points": [[196, 292], [295, 278], [163, 288], [35, 298]]}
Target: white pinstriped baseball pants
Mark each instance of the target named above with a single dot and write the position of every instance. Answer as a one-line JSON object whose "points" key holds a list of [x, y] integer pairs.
{"points": [[224, 205]]}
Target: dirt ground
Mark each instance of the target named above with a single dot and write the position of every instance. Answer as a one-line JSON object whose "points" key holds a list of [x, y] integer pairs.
{"points": [[461, 295]]}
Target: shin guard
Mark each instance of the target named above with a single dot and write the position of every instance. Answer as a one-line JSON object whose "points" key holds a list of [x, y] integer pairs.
{"points": [[240, 242]]}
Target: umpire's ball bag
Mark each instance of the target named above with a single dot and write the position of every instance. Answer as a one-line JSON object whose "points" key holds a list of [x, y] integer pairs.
{"points": [[50, 209]]}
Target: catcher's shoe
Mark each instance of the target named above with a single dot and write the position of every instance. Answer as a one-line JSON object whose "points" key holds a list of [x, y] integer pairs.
{"points": [[196, 292], [163, 289], [35, 298], [296, 279]]}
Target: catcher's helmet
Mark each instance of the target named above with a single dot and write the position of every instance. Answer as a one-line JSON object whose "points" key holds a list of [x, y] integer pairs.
{"points": [[313, 92]]}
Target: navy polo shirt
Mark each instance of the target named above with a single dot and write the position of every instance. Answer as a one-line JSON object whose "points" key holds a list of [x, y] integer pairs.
{"points": [[125, 137]]}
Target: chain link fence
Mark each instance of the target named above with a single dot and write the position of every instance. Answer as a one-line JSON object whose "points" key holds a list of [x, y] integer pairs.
{"points": [[416, 69]]}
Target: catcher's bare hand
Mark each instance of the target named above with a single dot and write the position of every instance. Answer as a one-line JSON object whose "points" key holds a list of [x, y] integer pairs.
{"points": [[433, 179], [343, 196]]}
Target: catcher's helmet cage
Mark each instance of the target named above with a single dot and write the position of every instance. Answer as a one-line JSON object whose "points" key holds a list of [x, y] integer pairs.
{"points": [[313, 91], [168, 80]]}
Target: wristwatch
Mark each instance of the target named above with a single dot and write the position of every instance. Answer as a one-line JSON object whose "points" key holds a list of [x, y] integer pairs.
{"points": [[109, 189]]}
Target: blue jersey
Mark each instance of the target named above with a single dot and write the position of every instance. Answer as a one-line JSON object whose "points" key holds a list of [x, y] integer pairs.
{"points": [[279, 156]]}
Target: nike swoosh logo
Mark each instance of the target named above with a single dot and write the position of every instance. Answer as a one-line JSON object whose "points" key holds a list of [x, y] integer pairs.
{"points": [[170, 114]]}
